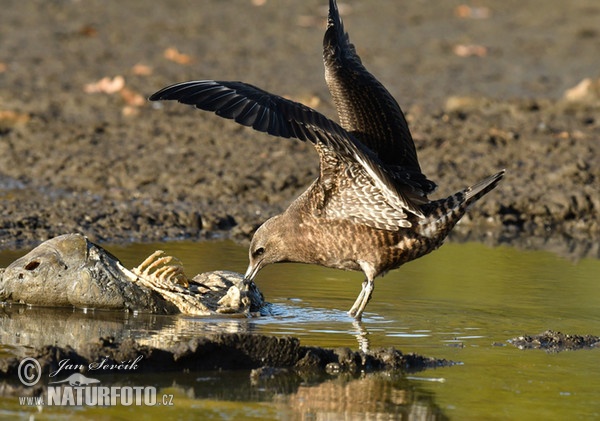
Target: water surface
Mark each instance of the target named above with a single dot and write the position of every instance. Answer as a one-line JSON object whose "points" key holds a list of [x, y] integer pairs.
{"points": [[462, 303]]}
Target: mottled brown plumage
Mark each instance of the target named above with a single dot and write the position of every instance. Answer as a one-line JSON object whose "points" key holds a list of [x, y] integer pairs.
{"points": [[368, 210]]}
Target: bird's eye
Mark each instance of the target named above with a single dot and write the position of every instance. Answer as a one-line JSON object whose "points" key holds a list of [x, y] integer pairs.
{"points": [[259, 251]]}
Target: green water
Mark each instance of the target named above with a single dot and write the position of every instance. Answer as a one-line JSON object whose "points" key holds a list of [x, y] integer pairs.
{"points": [[461, 303]]}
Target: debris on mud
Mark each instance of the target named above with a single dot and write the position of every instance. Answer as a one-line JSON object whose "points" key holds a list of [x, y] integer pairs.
{"points": [[556, 341]]}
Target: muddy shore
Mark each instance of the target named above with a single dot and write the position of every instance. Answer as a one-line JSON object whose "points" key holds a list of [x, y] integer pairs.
{"points": [[483, 89], [232, 351]]}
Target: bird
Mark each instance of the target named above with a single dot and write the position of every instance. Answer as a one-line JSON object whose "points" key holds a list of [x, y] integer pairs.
{"points": [[368, 209]]}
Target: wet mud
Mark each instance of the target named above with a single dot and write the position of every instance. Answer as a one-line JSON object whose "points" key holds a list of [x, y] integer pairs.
{"points": [[81, 150], [267, 355]]}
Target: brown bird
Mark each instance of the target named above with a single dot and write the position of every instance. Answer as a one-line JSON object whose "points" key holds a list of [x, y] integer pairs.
{"points": [[368, 210]]}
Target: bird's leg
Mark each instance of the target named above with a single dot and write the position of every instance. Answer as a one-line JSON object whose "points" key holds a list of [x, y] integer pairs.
{"points": [[363, 298], [352, 311]]}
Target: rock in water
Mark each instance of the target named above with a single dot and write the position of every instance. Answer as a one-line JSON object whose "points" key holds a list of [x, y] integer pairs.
{"points": [[69, 270]]}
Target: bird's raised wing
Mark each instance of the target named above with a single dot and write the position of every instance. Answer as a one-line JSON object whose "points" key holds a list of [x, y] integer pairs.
{"points": [[365, 107], [263, 111]]}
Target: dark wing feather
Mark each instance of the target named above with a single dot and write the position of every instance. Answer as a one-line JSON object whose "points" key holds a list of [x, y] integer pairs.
{"points": [[263, 111], [365, 107]]}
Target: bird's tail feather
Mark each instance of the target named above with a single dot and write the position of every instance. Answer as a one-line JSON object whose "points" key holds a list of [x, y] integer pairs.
{"points": [[477, 190], [442, 215]]}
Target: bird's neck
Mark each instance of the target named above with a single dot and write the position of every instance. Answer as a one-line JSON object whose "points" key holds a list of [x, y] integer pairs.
{"points": [[299, 238]]}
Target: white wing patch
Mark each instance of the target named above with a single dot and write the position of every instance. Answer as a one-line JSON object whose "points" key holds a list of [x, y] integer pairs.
{"points": [[360, 200]]}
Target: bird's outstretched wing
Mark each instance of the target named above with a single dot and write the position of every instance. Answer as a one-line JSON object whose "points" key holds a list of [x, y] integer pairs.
{"points": [[263, 111], [365, 107]]}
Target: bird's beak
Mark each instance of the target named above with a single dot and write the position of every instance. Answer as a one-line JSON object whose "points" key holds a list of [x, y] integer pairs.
{"points": [[252, 271]]}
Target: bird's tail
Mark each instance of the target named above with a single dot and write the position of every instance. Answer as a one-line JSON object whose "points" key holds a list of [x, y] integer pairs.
{"points": [[442, 215]]}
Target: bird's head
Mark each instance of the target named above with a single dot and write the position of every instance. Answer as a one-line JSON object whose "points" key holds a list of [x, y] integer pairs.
{"points": [[269, 245]]}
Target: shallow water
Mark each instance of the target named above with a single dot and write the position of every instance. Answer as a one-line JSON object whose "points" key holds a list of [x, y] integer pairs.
{"points": [[462, 303]]}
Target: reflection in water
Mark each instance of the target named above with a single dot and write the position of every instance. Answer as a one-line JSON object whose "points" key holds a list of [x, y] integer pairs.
{"points": [[373, 396], [561, 245], [22, 327], [362, 335], [304, 396], [291, 395]]}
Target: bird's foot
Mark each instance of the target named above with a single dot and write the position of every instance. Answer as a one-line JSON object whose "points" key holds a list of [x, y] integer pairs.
{"points": [[361, 301]]}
